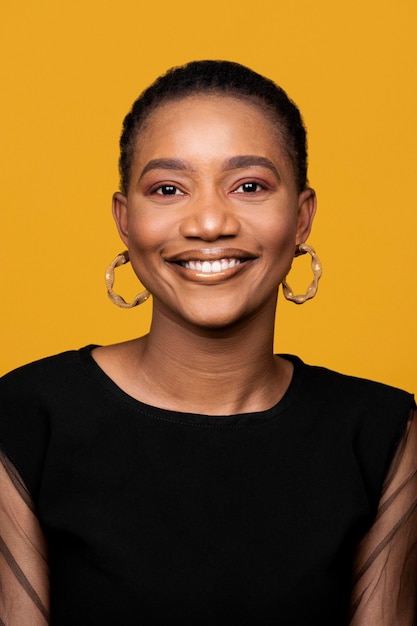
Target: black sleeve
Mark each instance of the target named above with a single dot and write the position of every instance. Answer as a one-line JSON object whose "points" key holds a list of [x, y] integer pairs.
{"points": [[24, 423]]}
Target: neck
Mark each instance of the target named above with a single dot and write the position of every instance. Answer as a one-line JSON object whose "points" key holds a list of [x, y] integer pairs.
{"points": [[225, 371]]}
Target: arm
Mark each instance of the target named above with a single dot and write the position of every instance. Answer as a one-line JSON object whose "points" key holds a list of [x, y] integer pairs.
{"points": [[385, 569], [24, 581]]}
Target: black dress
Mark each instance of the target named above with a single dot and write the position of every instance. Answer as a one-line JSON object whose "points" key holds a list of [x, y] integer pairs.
{"points": [[159, 518]]}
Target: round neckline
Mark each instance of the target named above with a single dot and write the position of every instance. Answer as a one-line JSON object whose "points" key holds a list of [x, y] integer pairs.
{"points": [[186, 418]]}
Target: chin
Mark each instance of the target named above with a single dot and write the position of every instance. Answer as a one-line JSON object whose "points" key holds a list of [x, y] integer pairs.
{"points": [[218, 319], [216, 324]]}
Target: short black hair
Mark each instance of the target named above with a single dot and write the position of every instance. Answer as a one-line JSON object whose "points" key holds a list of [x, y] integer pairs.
{"points": [[218, 77]]}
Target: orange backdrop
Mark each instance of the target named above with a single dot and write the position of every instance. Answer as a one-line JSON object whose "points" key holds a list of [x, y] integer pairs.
{"points": [[70, 73]]}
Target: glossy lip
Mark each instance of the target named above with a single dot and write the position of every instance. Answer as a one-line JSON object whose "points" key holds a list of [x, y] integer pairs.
{"points": [[210, 254]]}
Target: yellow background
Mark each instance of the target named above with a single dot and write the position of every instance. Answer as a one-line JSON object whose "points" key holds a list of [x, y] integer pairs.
{"points": [[70, 71]]}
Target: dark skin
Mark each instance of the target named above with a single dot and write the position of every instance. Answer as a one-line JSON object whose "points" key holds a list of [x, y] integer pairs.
{"points": [[192, 197]]}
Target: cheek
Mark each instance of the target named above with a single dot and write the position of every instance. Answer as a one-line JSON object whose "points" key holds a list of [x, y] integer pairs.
{"points": [[147, 232], [278, 232], [282, 237]]}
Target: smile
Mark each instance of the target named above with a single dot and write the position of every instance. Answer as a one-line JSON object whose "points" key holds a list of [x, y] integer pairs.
{"points": [[210, 267]]}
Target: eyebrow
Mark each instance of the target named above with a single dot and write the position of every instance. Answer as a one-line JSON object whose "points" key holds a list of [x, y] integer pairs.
{"points": [[166, 164], [249, 160], [236, 162]]}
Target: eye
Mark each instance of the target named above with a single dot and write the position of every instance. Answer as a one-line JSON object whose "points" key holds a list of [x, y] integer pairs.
{"points": [[168, 190], [249, 187]]}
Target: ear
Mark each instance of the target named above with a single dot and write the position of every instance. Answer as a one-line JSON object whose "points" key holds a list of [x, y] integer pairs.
{"points": [[119, 210], [307, 204]]}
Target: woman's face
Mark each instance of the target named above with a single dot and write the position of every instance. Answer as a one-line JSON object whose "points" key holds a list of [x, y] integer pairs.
{"points": [[212, 215]]}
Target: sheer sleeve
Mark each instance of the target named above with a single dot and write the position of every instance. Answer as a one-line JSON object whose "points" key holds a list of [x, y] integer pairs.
{"points": [[385, 572], [24, 582]]}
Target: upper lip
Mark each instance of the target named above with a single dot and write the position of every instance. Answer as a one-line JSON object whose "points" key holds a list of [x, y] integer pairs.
{"points": [[210, 254]]}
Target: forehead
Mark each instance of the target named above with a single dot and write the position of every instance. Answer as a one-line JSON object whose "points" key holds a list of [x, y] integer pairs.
{"points": [[210, 122]]}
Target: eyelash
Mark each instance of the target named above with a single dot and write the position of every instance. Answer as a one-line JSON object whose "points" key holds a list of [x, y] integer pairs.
{"points": [[251, 183], [174, 190]]}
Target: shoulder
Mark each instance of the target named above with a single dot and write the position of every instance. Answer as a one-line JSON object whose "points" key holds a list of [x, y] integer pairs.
{"points": [[42, 370], [29, 395], [33, 391], [351, 392], [366, 419], [39, 378], [373, 416]]}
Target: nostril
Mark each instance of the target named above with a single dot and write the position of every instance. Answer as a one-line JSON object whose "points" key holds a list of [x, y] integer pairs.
{"points": [[210, 221]]}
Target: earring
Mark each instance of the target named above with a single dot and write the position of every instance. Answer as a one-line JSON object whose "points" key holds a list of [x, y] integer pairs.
{"points": [[303, 248], [121, 259]]}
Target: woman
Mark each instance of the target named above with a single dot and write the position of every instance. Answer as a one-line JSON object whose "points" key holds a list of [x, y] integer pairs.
{"points": [[191, 476]]}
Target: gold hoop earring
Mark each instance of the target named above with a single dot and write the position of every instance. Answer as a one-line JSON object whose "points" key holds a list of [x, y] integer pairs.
{"points": [[121, 259], [304, 248]]}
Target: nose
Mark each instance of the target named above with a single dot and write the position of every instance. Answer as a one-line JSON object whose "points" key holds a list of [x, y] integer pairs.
{"points": [[210, 218]]}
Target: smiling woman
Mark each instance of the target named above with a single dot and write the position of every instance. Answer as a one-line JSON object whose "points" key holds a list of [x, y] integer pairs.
{"points": [[212, 182], [191, 476]]}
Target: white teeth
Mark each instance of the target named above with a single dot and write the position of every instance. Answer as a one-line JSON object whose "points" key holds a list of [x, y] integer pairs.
{"points": [[211, 267]]}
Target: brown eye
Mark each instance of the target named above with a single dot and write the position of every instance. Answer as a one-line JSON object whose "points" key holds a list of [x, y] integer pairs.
{"points": [[249, 187], [168, 190]]}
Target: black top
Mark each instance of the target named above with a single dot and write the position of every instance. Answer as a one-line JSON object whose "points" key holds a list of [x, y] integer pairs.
{"points": [[158, 518]]}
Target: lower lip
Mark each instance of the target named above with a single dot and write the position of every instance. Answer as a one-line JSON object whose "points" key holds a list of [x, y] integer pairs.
{"points": [[212, 277]]}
